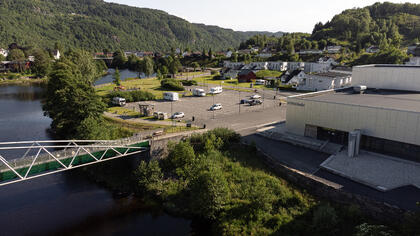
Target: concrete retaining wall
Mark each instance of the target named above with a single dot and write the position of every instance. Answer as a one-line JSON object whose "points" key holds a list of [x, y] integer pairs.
{"points": [[159, 145]]}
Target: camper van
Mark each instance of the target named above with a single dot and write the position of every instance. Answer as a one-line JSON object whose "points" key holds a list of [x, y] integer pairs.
{"points": [[171, 96], [199, 92], [118, 101], [216, 90]]}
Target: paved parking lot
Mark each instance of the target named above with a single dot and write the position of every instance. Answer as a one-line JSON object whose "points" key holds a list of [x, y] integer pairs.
{"points": [[199, 106]]}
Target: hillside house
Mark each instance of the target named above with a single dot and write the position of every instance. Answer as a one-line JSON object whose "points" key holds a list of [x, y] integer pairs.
{"points": [[277, 65], [324, 81], [4, 52], [333, 49], [233, 65], [229, 73], [414, 61], [372, 49], [291, 66], [293, 78], [246, 76], [56, 54]]}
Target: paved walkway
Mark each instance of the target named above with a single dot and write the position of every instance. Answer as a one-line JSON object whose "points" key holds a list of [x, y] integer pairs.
{"points": [[378, 171]]}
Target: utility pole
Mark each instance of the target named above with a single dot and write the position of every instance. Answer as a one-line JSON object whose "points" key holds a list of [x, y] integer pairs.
{"points": [[213, 104], [263, 99], [172, 116], [239, 103]]}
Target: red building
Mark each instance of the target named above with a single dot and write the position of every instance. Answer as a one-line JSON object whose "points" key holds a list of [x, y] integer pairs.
{"points": [[246, 76]]}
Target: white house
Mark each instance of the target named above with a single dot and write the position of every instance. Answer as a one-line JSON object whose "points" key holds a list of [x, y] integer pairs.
{"points": [[255, 66], [228, 54], [372, 49], [310, 51], [233, 65], [291, 66], [277, 65], [31, 58], [327, 60], [56, 54], [265, 55], [324, 81], [293, 77], [311, 67], [414, 61], [333, 49], [4, 52]]}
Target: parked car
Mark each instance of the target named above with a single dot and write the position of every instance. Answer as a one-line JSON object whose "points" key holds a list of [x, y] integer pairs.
{"points": [[255, 102], [256, 96], [178, 115], [245, 101], [216, 107]]}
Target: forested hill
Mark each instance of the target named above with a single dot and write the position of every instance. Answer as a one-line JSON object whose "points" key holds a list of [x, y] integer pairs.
{"points": [[369, 25], [97, 25]]}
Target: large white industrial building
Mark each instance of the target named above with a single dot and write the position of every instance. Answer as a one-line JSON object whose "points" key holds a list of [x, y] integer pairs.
{"points": [[386, 114]]}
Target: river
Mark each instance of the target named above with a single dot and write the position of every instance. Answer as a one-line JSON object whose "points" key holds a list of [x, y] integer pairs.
{"points": [[66, 203], [124, 74]]}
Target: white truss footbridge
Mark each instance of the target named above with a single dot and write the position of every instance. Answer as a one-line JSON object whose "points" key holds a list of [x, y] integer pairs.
{"points": [[24, 160]]}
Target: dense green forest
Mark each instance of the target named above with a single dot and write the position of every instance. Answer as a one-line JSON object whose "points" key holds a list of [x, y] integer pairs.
{"points": [[399, 23], [97, 25]]}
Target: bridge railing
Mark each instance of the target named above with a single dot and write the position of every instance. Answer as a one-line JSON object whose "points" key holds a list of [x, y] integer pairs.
{"points": [[45, 157]]}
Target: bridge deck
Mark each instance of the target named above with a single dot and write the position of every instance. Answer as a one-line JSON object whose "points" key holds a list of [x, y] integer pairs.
{"points": [[28, 168]]}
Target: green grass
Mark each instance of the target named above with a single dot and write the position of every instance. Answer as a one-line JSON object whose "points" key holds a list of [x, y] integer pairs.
{"points": [[123, 111], [231, 83], [151, 85], [268, 73]]}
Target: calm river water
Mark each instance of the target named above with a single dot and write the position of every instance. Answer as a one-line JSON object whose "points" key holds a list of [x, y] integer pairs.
{"points": [[66, 202]]}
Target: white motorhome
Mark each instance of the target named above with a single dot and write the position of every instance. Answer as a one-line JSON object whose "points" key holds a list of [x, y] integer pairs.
{"points": [[171, 96], [119, 101], [216, 90], [199, 92]]}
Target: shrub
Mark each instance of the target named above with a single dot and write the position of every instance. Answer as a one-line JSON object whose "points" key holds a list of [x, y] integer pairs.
{"points": [[132, 96], [172, 85], [324, 218], [189, 82]]}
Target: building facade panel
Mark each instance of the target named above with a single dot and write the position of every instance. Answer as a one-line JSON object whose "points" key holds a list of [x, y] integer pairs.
{"points": [[401, 126]]}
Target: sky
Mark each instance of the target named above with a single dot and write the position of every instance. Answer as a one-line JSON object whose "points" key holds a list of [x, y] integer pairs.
{"points": [[255, 15]]}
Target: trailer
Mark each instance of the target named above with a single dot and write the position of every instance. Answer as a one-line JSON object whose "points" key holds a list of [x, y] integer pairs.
{"points": [[171, 96], [199, 92], [119, 101], [216, 90]]}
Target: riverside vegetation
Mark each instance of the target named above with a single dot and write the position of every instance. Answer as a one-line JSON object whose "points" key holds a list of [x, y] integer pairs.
{"points": [[215, 178]]}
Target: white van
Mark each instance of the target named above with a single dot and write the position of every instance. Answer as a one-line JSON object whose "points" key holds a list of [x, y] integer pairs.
{"points": [[119, 101], [199, 92], [216, 90], [171, 96], [260, 82]]}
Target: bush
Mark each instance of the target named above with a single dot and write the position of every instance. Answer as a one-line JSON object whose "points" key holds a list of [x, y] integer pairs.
{"points": [[132, 96], [189, 82], [324, 218], [172, 85]]}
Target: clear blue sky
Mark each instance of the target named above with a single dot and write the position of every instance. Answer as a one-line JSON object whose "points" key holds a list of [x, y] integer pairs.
{"points": [[259, 15]]}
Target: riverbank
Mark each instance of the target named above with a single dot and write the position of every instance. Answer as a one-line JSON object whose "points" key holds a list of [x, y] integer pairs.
{"points": [[215, 178], [25, 81]]}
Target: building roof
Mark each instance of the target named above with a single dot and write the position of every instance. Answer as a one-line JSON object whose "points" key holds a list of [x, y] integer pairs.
{"points": [[290, 76], [245, 72], [330, 74], [385, 99]]}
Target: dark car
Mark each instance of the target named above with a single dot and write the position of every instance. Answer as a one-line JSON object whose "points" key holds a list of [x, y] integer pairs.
{"points": [[244, 101], [255, 102]]}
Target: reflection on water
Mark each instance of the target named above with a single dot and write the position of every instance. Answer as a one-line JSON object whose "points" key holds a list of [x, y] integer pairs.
{"points": [[124, 74], [63, 202]]}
